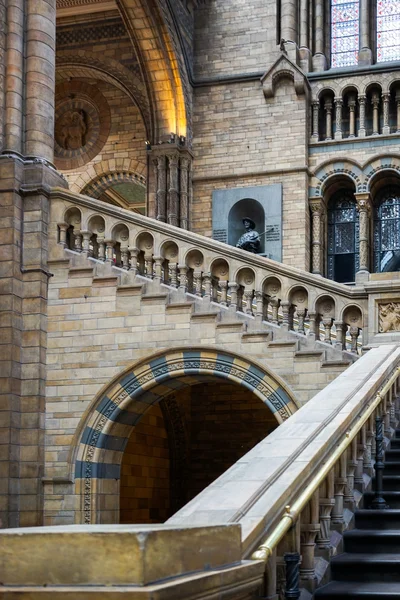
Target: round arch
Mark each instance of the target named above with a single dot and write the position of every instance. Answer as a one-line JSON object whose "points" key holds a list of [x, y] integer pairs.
{"points": [[107, 424]]}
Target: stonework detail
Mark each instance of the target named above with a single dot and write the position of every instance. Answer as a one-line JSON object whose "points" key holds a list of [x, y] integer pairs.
{"points": [[389, 317]]}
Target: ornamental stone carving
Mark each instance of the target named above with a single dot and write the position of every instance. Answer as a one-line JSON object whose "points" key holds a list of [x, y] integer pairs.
{"points": [[389, 317], [71, 129]]}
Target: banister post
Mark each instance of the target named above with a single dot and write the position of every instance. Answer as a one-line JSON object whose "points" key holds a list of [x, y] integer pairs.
{"points": [[292, 562]]}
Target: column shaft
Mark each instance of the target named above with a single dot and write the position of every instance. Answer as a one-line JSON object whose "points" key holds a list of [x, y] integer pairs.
{"points": [[173, 190], [365, 54], [3, 49], [184, 192], [40, 78], [288, 20], [364, 208], [316, 242], [304, 23], [14, 76], [161, 193]]}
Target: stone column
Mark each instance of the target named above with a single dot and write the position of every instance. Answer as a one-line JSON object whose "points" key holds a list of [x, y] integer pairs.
{"points": [[317, 209], [352, 116], [63, 233], [288, 21], [398, 111], [315, 121], [40, 78], [365, 53], [305, 54], [375, 113], [173, 190], [184, 192], [361, 103], [3, 49], [328, 117], [14, 84], [364, 209], [386, 125], [161, 193], [338, 109], [319, 58]]}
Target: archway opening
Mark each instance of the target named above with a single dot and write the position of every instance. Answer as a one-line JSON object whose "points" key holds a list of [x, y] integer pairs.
{"points": [[185, 442]]}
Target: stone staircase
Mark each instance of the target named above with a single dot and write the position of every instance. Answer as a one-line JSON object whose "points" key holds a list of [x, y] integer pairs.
{"points": [[167, 316], [369, 567]]}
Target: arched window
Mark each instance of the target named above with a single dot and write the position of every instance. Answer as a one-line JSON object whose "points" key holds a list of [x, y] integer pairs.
{"points": [[387, 232], [345, 32], [343, 237], [387, 30]]}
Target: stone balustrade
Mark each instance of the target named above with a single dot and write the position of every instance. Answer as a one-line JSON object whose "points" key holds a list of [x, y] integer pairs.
{"points": [[262, 289]]}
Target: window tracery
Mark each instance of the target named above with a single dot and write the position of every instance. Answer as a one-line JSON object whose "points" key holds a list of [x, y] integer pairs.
{"points": [[343, 237]]}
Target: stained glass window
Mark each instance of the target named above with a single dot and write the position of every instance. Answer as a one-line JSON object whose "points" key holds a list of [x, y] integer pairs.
{"points": [[343, 238], [387, 232], [388, 30], [345, 28]]}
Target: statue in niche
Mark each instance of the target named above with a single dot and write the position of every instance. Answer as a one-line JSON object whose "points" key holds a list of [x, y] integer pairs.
{"points": [[389, 317], [71, 130], [250, 240]]}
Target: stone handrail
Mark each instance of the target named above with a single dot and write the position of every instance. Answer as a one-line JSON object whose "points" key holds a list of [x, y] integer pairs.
{"points": [[261, 288], [324, 451]]}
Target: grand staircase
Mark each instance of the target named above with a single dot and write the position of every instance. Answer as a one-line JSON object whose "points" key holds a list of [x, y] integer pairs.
{"points": [[369, 567]]}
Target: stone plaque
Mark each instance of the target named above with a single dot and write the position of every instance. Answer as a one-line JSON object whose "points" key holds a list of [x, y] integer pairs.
{"points": [[263, 204]]}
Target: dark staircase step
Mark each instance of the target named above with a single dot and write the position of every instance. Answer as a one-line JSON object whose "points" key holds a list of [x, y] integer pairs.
{"points": [[366, 567], [372, 541], [358, 591], [392, 455], [378, 519], [392, 467], [392, 498], [391, 483]]}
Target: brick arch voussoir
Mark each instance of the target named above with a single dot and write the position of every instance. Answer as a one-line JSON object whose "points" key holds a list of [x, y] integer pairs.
{"points": [[376, 165], [326, 171], [120, 406], [111, 171]]}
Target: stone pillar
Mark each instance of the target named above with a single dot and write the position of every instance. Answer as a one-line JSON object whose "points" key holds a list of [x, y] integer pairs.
{"points": [[184, 192], [289, 21], [317, 210], [40, 78], [364, 209], [173, 190], [161, 193], [14, 83], [338, 110], [365, 53], [398, 111], [352, 116], [386, 125], [3, 49], [315, 121], [375, 113], [361, 102], [304, 51], [328, 117], [319, 58]]}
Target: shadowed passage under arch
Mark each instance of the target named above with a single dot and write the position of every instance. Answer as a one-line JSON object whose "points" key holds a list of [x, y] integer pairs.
{"points": [[115, 412]]}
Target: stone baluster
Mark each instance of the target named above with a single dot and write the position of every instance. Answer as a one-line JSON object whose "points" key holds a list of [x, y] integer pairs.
{"points": [[77, 240], [173, 190], [158, 260], [352, 116], [317, 211], [240, 298], [148, 265], [354, 333], [125, 257], [338, 109], [63, 227], [285, 305], [197, 277], [313, 331], [386, 415], [315, 121], [110, 250], [86, 235], [340, 337], [265, 307], [361, 128], [183, 280], [173, 274], [248, 301], [161, 194], [328, 322], [310, 528], [274, 302], [223, 286], [375, 113], [328, 118], [364, 211], [184, 192], [326, 504], [301, 317], [340, 483], [233, 293], [386, 124], [351, 468], [369, 443], [102, 248], [133, 261], [393, 420], [259, 306], [398, 111], [361, 450], [207, 286]]}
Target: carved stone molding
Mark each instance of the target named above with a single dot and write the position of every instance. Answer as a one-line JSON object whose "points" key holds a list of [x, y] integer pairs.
{"points": [[284, 69]]}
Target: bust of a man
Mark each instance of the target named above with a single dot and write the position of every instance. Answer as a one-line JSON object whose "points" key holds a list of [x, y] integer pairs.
{"points": [[250, 240]]}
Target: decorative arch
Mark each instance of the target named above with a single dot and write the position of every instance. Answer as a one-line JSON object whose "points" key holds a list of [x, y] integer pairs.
{"points": [[98, 186], [107, 424], [377, 165], [119, 167], [284, 69], [347, 168]]}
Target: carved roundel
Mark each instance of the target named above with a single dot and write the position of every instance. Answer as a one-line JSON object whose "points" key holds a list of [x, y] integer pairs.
{"points": [[82, 124]]}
